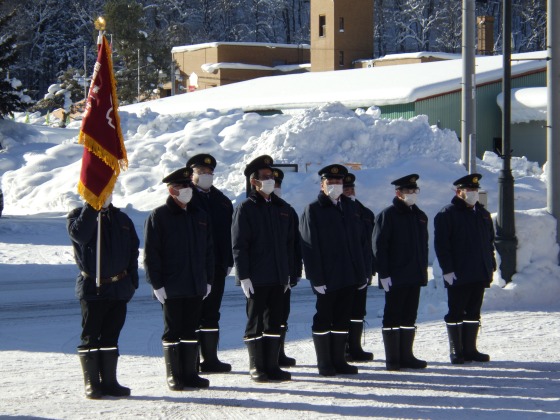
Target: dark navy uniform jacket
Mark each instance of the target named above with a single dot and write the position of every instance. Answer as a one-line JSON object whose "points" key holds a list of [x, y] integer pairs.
{"points": [[464, 242], [400, 244], [369, 221], [215, 203], [334, 244], [119, 252], [262, 235], [178, 250]]}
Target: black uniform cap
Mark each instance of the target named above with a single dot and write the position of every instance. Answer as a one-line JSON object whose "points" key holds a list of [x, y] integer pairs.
{"points": [[261, 162], [333, 171], [278, 175], [202, 159], [468, 181], [349, 180], [408, 181], [180, 176]]}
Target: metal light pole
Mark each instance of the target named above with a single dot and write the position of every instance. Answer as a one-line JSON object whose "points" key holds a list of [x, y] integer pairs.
{"points": [[138, 100], [552, 131], [506, 242], [468, 83]]}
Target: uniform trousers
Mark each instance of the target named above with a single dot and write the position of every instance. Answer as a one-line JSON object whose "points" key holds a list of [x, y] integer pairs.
{"points": [[286, 307], [464, 302], [401, 306], [181, 318], [264, 311], [333, 310], [359, 303], [210, 315], [102, 322]]}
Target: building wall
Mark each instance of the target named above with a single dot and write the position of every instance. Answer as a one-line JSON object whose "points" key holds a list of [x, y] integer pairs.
{"points": [[354, 40], [445, 112], [191, 61]]}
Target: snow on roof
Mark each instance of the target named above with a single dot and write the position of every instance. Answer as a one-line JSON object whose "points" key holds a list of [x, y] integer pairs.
{"points": [[527, 104], [196, 47], [212, 67], [357, 88], [420, 54]]}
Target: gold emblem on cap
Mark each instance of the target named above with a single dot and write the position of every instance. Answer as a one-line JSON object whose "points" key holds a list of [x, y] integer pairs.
{"points": [[475, 180], [276, 174], [267, 161], [334, 170], [207, 160], [186, 174]]}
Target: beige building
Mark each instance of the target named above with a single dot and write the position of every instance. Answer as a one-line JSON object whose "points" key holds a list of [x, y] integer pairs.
{"points": [[202, 66], [341, 33]]}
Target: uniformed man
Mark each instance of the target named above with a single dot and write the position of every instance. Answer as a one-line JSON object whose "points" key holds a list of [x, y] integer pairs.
{"points": [[263, 245], [335, 255], [103, 310], [179, 263], [354, 350], [400, 247], [464, 244], [220, 209], [283, 360]]}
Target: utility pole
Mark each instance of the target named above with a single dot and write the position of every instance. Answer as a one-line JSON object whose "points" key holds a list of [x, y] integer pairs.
{"points": [[552, 132], [506, 242], [468, 127], [85, 75]]}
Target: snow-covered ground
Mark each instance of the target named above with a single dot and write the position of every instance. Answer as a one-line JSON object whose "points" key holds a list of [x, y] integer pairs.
{"points": [[40, 317]]}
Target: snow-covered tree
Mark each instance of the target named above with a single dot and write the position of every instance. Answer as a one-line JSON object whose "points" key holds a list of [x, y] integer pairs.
{"points": [[10, 97]]}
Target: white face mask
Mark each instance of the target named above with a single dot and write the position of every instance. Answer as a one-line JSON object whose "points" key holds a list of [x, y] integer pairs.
{"points": [[205, 181], [352, 197], [334, 191], [267, 186], [409, 199], [471, 197], [185, 195], [278, 192]]}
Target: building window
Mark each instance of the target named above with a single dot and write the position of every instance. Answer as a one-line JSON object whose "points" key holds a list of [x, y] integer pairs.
{"points": [[341, 58], [322, 25], [341, 24]]}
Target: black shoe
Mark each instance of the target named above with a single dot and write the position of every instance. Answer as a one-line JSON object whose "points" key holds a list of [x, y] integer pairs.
{"points": [[470, 334], [407, 358], [455, 333], [338, 346], [256, 359], [209, 340], [271, 352], [89, 359], [355, 353], [391, 342], [109, 384], [322, 342]]}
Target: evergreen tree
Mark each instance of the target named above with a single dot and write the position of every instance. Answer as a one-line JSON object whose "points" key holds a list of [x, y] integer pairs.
{"points": [[9, 98]]}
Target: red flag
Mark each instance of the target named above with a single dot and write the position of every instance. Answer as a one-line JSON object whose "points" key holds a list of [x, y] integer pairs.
{"points": [[104, 152]]}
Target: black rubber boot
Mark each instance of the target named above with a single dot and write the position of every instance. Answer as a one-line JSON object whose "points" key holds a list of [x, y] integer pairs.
{"points": [[283, 360], [470, 334], [209, 340], [392, 343], [455, 333], [90, 367], [189, 355], [171, 355], [407, 359], [256, 359], [271, 352], [322, 342], [338, 347], [109, 383], [355, 351]]}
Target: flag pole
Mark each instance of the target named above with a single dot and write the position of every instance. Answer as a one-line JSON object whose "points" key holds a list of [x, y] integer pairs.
{"points": [[100, 24]]}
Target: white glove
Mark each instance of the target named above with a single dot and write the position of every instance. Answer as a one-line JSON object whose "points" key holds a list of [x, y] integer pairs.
{"points": [[247, 287], [287, 287], [386, 283], [450, 278], [108, 201], [363, 286], [228, 271], [208, 289], [320, 289], [160, 295]]}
